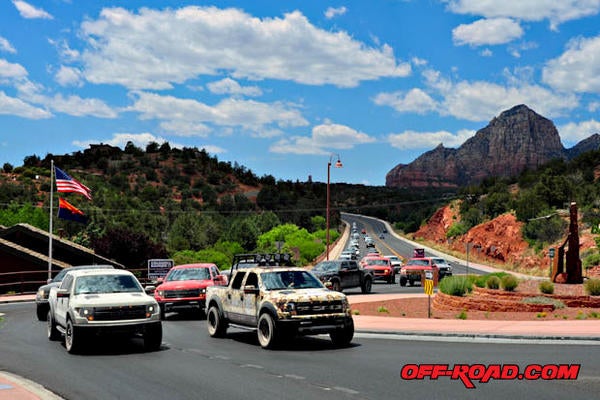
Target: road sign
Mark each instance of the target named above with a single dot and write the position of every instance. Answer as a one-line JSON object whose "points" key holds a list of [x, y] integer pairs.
{"points": [[158, 268], [428, 287], [551, 252]]}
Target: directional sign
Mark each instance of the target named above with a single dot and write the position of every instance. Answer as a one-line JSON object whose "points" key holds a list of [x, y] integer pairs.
{"points": [[428, 287]]}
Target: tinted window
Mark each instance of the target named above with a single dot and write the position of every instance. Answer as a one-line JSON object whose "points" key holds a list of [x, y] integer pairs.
{"points": [[252, 279], [67, 282], [289, 280], [237, 281]]}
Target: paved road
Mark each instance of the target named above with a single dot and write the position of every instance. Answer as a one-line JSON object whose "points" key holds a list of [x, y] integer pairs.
{"points": [[191, 365]]}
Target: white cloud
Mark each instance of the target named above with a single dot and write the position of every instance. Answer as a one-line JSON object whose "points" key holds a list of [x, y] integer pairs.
{"points": [[415, 100], [248, 114], [577, 69], [67, 76], [574, 132], [334, 12], [17, 107], [30, 12], [324, 139], [426, 140], [230, 86], [555, 11], [185, 128], [486, 53], [594, 106], [12, 71], [126, 48], [6, 46], [487, 32], [70, 105]]}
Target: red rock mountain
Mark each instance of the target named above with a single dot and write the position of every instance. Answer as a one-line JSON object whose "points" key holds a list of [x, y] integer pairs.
{"points": [[516, 140]]}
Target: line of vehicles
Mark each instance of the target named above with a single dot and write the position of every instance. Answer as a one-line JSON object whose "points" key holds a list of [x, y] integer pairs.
{"points": [[263, 292]]}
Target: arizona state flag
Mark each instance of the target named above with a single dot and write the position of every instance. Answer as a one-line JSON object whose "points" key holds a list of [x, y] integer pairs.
{"points": [[68, 211]]}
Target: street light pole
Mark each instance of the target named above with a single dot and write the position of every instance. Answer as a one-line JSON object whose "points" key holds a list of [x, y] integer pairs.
{"points": [[338, 164]]}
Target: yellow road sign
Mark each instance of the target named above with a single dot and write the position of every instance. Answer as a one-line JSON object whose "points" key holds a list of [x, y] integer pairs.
{"points": [[428, 287]]}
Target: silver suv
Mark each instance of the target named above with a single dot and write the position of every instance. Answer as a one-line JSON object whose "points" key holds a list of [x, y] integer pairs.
{"points": [[102, 301]]}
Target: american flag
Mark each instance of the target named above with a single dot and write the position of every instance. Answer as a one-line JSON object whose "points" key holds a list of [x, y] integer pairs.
{"points": [[67, 184]]}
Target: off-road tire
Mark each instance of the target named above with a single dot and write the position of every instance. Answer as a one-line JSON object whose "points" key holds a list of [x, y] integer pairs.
{"points": [[343, 336], [52, 332], [403, 281], [153, 336], [217, 327], [366, 286], [336, 286], [74, 338], [267, 331], [41, 312]]}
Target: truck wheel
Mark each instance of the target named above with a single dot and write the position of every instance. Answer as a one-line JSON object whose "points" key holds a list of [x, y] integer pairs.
{"points": [[53, 333], [41, 312], [366, 286], [73, 338], [343, 336], [411, 282], [217, 327], [152, 337], [162, 311], [267, 333], [392, 279], [335, 286], [402, 281]]}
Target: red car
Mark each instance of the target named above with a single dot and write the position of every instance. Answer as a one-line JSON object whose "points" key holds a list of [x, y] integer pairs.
{"points": [[381, 267], [184, 287]]}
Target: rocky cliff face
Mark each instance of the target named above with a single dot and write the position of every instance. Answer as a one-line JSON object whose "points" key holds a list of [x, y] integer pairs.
{"points": [[516, 140]]}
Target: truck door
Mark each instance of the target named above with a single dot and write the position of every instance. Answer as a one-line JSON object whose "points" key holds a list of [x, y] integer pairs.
{"points": [[353, 273], [249, 300], [234, 298], [62, 303]]}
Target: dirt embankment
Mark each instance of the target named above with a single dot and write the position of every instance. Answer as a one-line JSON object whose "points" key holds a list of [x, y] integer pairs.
{"points": [[499, 241]]}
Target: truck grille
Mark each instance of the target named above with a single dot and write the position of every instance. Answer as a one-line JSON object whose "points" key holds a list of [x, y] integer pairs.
{"points": [[321, 307], [119, 313], [176, 294]]}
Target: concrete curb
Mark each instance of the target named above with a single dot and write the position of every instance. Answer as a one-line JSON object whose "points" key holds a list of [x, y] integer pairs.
{"points": [[17, 387]]}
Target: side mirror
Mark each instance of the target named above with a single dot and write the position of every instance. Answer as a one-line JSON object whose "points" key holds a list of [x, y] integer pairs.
{"points": [[250, 289], [150, 289], [328, 285], [48, 280]]}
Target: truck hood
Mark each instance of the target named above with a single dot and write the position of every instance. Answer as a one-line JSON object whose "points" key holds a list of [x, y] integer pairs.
{"points": [[182, 285], [113, 299], [301, 295]]}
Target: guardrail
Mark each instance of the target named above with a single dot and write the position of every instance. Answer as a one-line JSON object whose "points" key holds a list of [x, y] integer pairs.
{"points": [[28, 282]]}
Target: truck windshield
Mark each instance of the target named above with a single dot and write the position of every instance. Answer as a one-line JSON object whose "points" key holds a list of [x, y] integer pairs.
{"points": [[188, 274], [289, 280], [106, 284], [326, 266]]}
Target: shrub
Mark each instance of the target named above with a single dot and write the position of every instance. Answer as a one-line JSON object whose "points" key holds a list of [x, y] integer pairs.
{"points": [[492, 282], [543, 300], [462, 315], [509, 283], [481, 280], [546, 287], [383, 309], [457, 285], [592, 287]]}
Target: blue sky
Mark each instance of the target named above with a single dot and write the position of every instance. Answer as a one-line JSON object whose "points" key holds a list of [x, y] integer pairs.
{"points": [[282, 87]]}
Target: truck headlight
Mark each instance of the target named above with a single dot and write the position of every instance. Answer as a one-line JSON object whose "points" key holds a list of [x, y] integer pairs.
{"points": [[161, 293], [41, 294], [86, 312], [151, 309]]}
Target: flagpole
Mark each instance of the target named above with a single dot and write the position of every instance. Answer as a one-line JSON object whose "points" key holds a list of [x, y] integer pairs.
{"points": [[50, 230]]}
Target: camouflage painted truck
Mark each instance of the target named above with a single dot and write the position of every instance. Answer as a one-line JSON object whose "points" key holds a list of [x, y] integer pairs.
{"points": [[279, 303]]}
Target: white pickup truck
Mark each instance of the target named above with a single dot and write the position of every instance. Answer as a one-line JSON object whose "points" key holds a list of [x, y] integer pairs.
{"points": [[97, 301]]}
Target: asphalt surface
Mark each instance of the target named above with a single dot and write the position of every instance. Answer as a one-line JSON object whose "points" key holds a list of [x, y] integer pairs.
{"points": [[419, 340]]}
